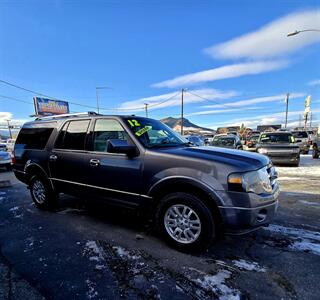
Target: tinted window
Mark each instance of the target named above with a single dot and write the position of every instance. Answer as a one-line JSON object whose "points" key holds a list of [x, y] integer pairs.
{"points": [[300, 134], [33, 138], [223, 141], [105, 130], [276, 138], [73, 135]]}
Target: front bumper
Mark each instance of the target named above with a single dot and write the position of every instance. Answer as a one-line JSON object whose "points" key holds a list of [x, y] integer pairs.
{"points": [[244, 212]]}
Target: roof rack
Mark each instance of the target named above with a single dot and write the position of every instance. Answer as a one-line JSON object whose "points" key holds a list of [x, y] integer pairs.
{"points": [[89, 113]]}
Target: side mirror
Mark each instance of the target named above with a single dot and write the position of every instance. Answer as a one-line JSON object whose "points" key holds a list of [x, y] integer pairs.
{"points": [[121, 146]]}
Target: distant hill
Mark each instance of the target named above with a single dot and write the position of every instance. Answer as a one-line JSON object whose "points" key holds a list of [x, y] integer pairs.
{"points": [[188, 127]]}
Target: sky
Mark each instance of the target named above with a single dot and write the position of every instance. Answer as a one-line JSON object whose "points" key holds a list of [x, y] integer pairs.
{"points": [[233, 58]]}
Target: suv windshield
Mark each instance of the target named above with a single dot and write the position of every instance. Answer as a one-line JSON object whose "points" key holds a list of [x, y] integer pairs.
{"points": [[300, 134], [276, 138], [152, 133], [223, 141]]}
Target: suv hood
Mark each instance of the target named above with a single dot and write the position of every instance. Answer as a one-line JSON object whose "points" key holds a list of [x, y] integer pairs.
{"points": [[241, 160]]}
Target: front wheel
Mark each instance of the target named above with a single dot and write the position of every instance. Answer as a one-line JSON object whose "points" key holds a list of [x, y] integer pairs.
{"points": [[185, 222], [43, 195]]}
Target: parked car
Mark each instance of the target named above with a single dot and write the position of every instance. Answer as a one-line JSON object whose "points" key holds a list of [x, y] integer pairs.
{"points": [[251, 142], [227, 141], [193, 193], [195, 140], [5, 159], [280, 147], [302, 140], [3, 147]]}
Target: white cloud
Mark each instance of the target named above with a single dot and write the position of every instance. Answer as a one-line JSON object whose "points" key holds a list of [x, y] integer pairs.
{"points": [[4, 116], [175, 99], [314, 82], [215, 112], [265, 119], [271, 40], [249, 102], [228, 71]]}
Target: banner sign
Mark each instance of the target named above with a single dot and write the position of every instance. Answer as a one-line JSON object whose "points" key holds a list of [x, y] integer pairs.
{"points": [[49, 107]]}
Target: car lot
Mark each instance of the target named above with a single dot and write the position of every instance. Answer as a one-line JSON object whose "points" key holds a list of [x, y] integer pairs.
{"points": [[86, 251]]}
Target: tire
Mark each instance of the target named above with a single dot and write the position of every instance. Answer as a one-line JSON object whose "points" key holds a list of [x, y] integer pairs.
{"points": [[43, 195], [315, 152], [167, 210]]}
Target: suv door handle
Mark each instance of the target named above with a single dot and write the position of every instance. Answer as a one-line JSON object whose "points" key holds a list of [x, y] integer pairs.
{"points": [[53, 157], [94, 162]]}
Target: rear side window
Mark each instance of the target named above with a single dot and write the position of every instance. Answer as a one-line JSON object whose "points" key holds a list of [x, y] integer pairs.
{"points": [[73, 135], [33, 138]]}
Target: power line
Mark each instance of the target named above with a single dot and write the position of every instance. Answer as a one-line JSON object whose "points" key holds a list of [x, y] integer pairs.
{"points": [[15, 99], [164, 101]]}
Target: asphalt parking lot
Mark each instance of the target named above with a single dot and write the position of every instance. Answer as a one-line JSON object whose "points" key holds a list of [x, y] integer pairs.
{"points": [[85, 251]]}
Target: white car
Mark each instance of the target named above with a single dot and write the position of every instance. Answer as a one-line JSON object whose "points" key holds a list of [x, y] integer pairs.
{"points": [[5, 160]]}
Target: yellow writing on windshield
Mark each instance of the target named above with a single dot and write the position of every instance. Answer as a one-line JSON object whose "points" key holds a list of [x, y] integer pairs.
{"points": [[143, 130], [134, 123]]}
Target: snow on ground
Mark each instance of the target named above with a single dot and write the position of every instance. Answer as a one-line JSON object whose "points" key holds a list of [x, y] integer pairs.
{"points": [[217, 284], [95, 253], [308, 167], [301, 239], [124, 253], [248, 265]]}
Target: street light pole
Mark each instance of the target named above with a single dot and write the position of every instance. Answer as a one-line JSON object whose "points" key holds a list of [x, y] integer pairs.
{"points": [[97, 94], [146, 108], [182, 92], [9, 128], [287, 106]]}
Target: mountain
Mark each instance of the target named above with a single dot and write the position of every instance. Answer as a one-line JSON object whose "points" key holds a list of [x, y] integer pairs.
{"points": [[188, 127]]}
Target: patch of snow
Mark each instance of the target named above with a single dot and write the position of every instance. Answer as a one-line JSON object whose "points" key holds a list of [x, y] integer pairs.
{"points": [[296, 232], [15, 213], [249, 266], [70, 210], [92, 293], [95, 253], [302, 240], [306, 245], [3, 193], [316, 204], [124, 253], [216, 283]]}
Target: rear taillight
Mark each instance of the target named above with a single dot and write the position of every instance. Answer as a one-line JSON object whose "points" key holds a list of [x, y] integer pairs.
{"points": [[13, 158]]}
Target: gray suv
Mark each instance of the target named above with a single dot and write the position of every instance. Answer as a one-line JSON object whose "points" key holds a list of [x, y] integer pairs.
{"points": [[193, 193]]}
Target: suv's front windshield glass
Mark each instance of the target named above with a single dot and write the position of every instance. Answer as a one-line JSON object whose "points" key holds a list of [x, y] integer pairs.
{"points": [[224, 141], [153, 133], [276, 138]]}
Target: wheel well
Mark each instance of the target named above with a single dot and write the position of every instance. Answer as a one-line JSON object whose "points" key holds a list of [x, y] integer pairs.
{"points": [[34, 170], [174, 187]]}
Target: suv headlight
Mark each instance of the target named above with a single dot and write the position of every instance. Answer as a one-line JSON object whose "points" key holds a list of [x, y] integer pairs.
{"points": [[262, 151], [257, 182]]}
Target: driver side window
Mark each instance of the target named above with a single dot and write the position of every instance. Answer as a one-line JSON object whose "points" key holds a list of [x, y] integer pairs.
{"points": [[105, 130]]}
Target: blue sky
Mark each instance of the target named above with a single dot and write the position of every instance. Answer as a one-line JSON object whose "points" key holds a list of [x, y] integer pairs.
{"points": [[233, 53]]}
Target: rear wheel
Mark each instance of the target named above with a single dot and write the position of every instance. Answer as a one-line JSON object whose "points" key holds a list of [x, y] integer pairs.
{"points": [[185, 222], [315, 152], [43, 195]]}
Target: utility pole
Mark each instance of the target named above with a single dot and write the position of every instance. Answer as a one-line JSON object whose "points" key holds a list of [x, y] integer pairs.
{"points": [[9, 128], [146, 108], [182, 91], [310, 120], [287, 106]]}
